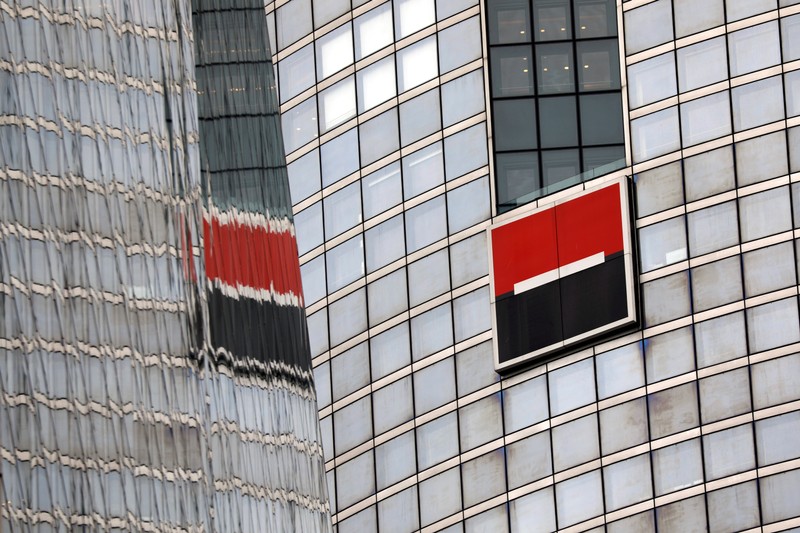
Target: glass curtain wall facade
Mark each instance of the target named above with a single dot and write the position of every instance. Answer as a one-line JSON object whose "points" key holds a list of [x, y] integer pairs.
{"points": [[690, 423], [154, 368]]}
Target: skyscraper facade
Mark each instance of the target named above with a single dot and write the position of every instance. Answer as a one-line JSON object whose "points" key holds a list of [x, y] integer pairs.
{"points": [[412, 127], [154, 368]]}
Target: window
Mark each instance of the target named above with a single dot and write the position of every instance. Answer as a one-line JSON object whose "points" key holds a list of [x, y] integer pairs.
{"points": [[400, 511], [456, 45], [373, 30], [339, 157], [480, 422], [299, 125], [627, 482], [334, 51], [431, 331], [555, 68], [776, 438], [483, 477], [619, 370], [772, 325], [579, 498], [387, 296], [342, 210], [437, 440], [767, 98], [651, 80], [515, 124], [376, 84], [509, 21], [293, 22], [659, 189], [692, 17], [678, 466], [790, 35], [467, 205], [683, 515], [765, 213], [733, 508], [669, 354], [709, 173], [337, 104], [385, 243], [355, 480], [392, 405], [716, 284], [739, 9], [353, 425], [724, 395], [465, 151], [417, 63], [412, 15], [422, 170], [655, 134], [673, 410], [390, 351], [648, 26], [304, 176], [552, 20], [663, 243], [345, 263], [575, 443], [426, 224], [434, 386], [313, 274], [525, 404], [428, 277], [666, 298], [381, 190], [440, 496], [720, 339], [296, 73], [705, 119], [308, 224], [774, 383], [327, 10], [623, 426], [536, 508], [348, 316], [420, 117], [754, 48], [702, 64], [761, 158], [595, 18], [521, 470], [769, 269], [379, 137], [778, 499], [462, 98], [572, 386], [512, 71]]}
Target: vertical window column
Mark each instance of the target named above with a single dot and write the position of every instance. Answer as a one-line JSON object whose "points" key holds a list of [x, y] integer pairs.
{"points": [[556, 99]]}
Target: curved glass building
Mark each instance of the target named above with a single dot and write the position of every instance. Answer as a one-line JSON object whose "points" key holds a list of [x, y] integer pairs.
{"points": [[412, 127], [154, 367]]}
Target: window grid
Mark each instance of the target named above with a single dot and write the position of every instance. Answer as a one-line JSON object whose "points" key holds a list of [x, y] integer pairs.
{"points": [[699, 322], [524, 155]]}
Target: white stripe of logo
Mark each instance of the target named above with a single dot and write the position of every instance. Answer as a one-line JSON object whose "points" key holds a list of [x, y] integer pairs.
{"points": [[556, 273]]}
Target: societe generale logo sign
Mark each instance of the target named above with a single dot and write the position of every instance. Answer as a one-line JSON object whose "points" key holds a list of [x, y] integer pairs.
{"points": [[562, 274]]}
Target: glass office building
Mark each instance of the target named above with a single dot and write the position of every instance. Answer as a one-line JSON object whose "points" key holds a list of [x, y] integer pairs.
{"points": [[154, 367], [396, 118]]}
